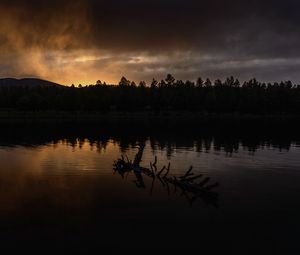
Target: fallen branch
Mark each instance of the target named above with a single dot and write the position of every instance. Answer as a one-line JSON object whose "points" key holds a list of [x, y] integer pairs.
{"points": [[185, 183]]}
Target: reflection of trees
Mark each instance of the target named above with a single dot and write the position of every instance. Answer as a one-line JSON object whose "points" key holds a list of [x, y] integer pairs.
{"points": [[203, 145], [202, 140]]}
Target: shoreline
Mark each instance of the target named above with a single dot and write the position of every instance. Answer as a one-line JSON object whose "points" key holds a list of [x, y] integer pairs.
{"points": [[11, 116]]}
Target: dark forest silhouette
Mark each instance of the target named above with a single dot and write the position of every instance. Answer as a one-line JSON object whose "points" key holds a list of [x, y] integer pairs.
{"points": [[228, 96]]}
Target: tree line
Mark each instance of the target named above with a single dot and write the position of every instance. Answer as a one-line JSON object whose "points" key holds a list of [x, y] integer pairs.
{"points": [[227, 96]]}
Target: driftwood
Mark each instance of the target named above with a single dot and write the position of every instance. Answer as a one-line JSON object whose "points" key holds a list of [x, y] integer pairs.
{"points": [[186, 183]]}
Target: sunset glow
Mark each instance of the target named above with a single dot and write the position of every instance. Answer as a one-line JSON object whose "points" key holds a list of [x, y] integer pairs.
{"points": [[84, 41]]}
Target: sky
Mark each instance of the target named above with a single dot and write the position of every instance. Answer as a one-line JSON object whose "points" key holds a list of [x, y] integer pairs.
{"points": [[82, 41]]}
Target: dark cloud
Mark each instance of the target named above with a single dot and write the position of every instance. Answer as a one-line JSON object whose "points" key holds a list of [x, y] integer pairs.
{"points": [[52, 39]]}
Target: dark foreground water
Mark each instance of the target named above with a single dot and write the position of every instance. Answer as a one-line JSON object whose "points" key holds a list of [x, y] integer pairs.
{"points": [[58, 191]]}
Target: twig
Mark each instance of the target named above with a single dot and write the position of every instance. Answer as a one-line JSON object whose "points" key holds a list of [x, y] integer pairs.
{"points": [[188, 173], [155, 161], [206, 180], [160, 172], [194, 178], [127, 159], [162, 182], [168, 170], [152, 170]]}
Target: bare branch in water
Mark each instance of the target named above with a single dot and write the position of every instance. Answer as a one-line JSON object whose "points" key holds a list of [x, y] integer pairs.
{"points": [[188, 173], [160, 172], [186, 183]]}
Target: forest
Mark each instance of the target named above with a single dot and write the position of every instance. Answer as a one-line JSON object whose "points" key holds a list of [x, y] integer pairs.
{"points": [[205, 96]]}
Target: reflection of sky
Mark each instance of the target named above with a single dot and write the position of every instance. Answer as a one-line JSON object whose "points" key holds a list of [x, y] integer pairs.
{"points": [[72, 184], [62, 156], [98, 158]]}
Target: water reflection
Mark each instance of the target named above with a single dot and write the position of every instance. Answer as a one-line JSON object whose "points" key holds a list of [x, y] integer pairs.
{"points": [[201, 139], [57, 183], [185, 183]]}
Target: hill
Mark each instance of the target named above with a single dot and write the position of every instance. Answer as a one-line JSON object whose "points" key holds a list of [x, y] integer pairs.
{"points": [[27, 82]]}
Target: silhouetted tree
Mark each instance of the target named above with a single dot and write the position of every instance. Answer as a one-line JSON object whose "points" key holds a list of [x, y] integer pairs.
{"points": [[236, 83], [162, 84], [124, 82], [218, 83], [199, 83], [132, 84], [207, 83], [154, 83], [170, 80], [229, 82], [142, 84]]}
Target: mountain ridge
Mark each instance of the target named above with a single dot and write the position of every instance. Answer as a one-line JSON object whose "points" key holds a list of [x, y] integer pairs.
{"points": [[27, 82]]}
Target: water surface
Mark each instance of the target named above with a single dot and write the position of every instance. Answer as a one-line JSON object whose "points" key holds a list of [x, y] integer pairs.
{"points": [[63, 188]]}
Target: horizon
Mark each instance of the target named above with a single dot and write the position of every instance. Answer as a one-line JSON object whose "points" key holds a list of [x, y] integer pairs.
{"points": [[149, 82]]}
